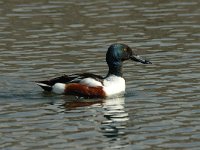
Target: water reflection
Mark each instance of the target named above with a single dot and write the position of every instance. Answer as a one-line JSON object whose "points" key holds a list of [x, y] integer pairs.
{"points": [[115, 116], [75, 103], [113, 112]]}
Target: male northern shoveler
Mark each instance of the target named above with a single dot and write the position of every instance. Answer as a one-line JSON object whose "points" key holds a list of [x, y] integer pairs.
{"points": [[90, 85]]}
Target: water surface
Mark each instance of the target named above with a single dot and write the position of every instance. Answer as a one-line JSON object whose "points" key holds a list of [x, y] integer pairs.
{"points": [[42, 39]]}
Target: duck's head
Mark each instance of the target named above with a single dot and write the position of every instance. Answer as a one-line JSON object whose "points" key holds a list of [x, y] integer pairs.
{"points": [[117, 53]]}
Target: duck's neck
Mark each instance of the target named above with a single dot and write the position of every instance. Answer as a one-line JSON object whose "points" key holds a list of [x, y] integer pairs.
{"points": [[115, 69]]}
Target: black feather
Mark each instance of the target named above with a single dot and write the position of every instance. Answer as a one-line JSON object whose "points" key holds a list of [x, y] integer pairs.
{"points": [[74, 78]]}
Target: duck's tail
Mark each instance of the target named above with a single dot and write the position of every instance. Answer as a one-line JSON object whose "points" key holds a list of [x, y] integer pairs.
{"points": [[44, 86]]}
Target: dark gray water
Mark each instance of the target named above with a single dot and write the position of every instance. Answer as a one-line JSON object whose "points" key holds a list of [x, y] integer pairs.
{"points": [[46, 38]]}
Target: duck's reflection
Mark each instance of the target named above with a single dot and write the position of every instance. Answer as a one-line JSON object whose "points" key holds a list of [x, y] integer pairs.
{"points": [[116, 117], [114, 113], [75, 103]]}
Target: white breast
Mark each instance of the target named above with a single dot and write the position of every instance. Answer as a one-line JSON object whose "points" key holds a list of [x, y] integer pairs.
{"points": [[114, 85]]}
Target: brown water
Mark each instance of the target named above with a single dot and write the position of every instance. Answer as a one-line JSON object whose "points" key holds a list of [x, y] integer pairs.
{"points": [[46, 38]]}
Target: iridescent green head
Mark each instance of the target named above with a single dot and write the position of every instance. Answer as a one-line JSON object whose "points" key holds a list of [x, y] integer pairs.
{"points": [[116, 54]]}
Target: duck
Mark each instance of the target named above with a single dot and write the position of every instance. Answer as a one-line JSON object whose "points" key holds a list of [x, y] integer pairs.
{"points": [[90, 85]]}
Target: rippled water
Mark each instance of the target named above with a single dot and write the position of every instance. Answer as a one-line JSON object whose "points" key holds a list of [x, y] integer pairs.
{"points": [[41, 39]]}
